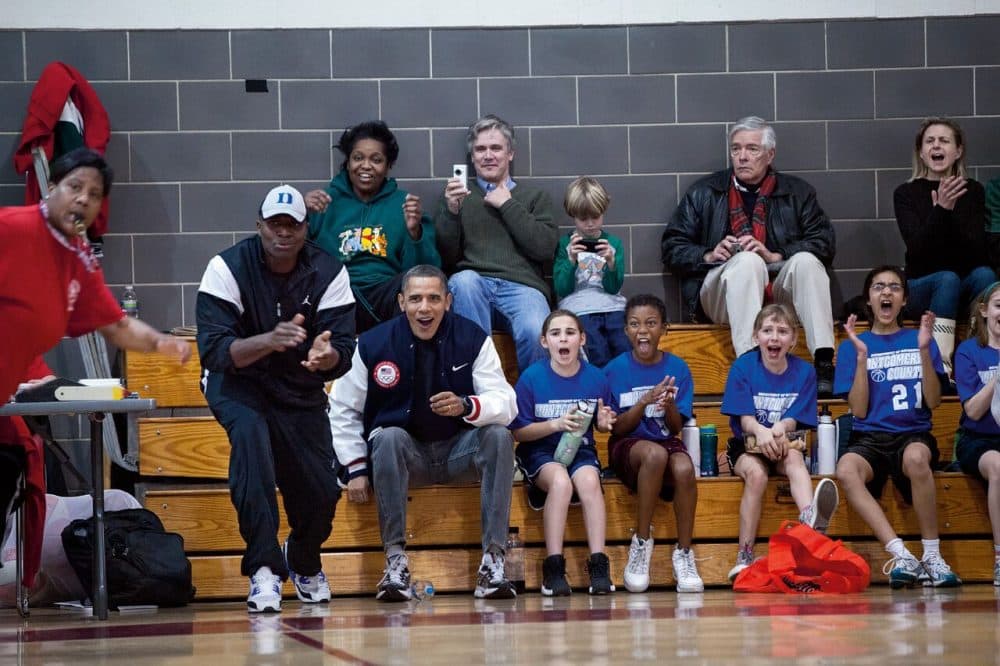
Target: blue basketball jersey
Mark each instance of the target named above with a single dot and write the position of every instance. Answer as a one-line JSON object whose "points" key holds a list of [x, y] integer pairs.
{"points": [[630, 380], [895, 381], [974, 365], [753, 390]]}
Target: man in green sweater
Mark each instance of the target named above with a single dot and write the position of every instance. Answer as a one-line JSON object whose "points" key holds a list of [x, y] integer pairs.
{"points": [[495, 237]]}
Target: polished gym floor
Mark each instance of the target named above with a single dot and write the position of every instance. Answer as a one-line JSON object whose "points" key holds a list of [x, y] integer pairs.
{"points": [[880, 626]]}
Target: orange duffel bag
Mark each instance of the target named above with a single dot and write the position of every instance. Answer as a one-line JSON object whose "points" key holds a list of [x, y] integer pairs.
{"points": [[801, 560]]}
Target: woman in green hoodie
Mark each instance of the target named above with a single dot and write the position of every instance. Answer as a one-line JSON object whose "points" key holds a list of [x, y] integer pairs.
{"points": [[376, 229]]}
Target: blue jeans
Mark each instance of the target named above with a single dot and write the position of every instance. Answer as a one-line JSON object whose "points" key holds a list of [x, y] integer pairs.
{"points": [[516, 308], [606, 337], [945, 294]]}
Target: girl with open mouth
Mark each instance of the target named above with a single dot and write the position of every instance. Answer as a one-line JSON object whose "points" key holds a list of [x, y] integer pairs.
{"points": [[892, 378]]}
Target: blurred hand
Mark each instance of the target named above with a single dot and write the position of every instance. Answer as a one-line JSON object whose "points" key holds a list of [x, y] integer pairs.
{"points": [[317, 200]]}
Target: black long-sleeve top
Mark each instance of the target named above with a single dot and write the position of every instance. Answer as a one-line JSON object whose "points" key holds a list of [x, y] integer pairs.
{"points": [[938, 239]]}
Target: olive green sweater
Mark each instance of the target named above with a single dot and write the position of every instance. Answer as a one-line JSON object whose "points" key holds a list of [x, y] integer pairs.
{"points": [[514, 242]]}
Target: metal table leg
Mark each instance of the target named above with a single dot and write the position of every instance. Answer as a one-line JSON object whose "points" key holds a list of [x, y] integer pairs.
{"points": [[22, 594], [100, 591]]}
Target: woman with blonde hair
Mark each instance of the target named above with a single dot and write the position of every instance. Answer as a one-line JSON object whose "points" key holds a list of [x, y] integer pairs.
{"points": [[941, 214]]}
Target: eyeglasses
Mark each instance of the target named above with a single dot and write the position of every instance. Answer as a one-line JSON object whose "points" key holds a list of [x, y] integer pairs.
{"points": [[753, 150], [894, 287]]}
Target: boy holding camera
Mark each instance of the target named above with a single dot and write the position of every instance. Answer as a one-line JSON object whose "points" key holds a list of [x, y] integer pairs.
{"points": [[589, 270]]}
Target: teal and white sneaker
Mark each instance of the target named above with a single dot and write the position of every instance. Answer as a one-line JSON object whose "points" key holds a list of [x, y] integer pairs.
{"points": [[903, 571], [937, 573]]}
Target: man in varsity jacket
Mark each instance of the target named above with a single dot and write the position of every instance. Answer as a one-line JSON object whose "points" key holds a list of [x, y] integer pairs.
{"points": [[275, 321], [426, 402]]}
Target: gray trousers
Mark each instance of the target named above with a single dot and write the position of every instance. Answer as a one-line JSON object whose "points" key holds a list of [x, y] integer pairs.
{"points": [[484, 455]]}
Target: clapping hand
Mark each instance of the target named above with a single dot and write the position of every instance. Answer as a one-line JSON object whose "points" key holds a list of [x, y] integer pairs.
{"points": [[320, 355]]}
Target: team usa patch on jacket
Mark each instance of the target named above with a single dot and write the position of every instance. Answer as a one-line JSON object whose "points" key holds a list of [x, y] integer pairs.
{"points": [[386, 374]]}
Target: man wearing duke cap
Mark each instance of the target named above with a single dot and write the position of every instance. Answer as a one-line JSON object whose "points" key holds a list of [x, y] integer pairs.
{"points": [[275, 321]]}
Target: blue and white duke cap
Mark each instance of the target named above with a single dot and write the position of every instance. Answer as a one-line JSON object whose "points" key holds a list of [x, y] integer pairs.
{"points": [[283, 200]]}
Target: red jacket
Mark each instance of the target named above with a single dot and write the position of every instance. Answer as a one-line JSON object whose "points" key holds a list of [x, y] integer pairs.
{"points": [[58, 82]]}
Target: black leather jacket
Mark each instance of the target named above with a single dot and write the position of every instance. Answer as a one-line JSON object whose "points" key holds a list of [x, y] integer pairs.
{"points": [[795, 223]]}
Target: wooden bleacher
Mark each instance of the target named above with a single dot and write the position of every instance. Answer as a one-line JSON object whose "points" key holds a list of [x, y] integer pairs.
{"points": [[183, 461]]}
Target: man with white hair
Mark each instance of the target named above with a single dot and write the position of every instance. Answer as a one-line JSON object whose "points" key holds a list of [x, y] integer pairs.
{"points": [[749, 234]]}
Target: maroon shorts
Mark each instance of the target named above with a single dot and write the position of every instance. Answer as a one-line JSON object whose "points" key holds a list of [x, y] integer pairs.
{"points": [[618, 452]]}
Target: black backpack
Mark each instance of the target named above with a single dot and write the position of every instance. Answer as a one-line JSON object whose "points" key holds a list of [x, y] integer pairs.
{"points": [[145, 564]]}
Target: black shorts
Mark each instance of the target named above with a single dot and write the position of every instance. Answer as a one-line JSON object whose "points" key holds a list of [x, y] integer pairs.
{"points": [[737, 446], [971, 447], [884, 452]]}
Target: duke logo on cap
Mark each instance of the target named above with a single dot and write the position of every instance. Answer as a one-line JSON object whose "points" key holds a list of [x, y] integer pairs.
{"points": [[283, 200]]}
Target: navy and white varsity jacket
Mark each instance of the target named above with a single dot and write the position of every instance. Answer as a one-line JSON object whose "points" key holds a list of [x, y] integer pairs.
{"points": [[377, 392], [239, 298]]}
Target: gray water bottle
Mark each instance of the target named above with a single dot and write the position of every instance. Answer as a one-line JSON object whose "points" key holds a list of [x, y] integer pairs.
{"points": [[570, 441]]}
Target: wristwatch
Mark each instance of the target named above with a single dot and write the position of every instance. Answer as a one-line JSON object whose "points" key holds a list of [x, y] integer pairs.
{"points": [[466, 406]]}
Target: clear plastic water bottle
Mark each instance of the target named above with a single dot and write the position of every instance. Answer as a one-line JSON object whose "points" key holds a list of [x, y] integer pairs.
{"points": [[421, 589], [130, 302], [826, 436], [570, 441], [691, 438], [513, 561]]}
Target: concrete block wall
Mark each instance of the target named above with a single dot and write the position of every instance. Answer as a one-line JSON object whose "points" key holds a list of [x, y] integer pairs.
{"points": [[644, 107]]}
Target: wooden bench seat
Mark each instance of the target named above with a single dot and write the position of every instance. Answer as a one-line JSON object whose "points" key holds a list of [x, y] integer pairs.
{"points": [[183, 453], [443, 533], [197, 447]]}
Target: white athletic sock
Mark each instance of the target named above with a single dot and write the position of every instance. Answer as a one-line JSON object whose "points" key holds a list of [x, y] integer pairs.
{"points": [[897, 549], [931, 547]]}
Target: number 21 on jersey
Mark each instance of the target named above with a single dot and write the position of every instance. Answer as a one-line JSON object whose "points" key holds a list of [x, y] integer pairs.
{"points": [[900, 397]]}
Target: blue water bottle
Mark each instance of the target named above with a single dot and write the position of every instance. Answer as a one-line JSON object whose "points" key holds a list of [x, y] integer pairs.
{"points": [[709, 440]]}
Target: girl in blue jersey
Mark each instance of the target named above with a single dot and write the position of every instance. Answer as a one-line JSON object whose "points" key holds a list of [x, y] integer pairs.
{"points": [[769, 394], [977, 363], [547, 395], [892, 379], [652, 392]]}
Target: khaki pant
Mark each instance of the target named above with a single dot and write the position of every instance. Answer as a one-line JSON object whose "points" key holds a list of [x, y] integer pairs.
{"points": [[733, 294]]}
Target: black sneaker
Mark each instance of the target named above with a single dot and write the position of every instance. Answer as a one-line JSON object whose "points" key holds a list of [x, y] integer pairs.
{"points": [[599, 569], [824, 378], [554, 583]]}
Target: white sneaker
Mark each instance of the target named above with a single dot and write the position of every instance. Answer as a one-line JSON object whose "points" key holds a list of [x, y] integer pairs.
{"points": [[491, 583], [395, 583], [265, 592], [686, 572], [637, 569], [743, 560], [825, 500], [937, 573], [309, 589]]}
